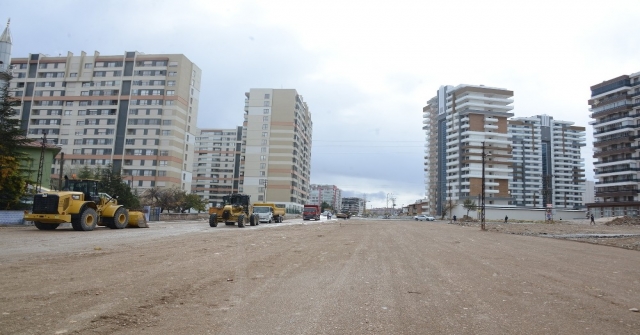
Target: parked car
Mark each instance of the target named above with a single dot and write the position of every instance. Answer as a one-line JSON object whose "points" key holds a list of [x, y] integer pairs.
{"points": [[423, 217]]}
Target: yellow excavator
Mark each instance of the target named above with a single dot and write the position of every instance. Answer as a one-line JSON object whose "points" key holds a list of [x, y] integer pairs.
{"points": [[81, 204]]}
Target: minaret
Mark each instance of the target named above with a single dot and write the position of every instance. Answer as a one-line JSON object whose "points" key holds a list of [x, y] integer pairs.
{"points": [[5, 49]]}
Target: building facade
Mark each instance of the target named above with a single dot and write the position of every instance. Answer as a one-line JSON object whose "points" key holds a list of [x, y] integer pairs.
{"points": [[136, 112], [353, 205], [330, 194], [277, 142], [615, 110], [548, 170], [466, 130], [216, 167]]}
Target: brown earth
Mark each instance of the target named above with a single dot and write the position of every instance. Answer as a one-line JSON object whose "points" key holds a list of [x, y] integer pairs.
{"points": [[337, 277], [612, 232]]}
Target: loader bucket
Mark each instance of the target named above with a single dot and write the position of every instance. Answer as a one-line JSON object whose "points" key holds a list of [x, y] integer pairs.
{"points": [[137, 220]]}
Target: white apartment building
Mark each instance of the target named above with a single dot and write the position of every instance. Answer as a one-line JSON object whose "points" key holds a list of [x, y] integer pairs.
{"points": [[548, 170], [216, 167], [615, 110], [277, 141], [136, 112], [462, 124], [330, 194]]}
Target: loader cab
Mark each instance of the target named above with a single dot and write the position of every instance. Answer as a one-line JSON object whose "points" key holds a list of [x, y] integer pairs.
{"points": [[88, 187]]}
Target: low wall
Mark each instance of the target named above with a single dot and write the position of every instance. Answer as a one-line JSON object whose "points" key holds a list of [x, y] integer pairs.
{"points": [[11, 217], [183, 216]]}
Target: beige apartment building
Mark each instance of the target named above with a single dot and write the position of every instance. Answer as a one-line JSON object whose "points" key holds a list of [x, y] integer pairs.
{"points": [[466, 134], [277, 147], [134, 111], [217, 163]]}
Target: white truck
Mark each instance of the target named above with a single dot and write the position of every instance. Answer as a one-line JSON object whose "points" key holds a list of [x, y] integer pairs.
{"points": [[265, 213]]}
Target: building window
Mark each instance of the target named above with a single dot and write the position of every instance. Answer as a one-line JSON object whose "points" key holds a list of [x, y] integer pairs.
{"points": [[265, 126], [265, 111], [265, 119], [171, 83], [166, 132], [164, 163], [265, 134], [266, 104], [173, 74], [166, 122], [263, 149], [88, 65], [171, 92]]}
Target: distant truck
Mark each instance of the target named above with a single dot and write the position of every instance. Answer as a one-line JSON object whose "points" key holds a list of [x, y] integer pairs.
{"points": [[264, 213], [278, 211], [311, 212]]}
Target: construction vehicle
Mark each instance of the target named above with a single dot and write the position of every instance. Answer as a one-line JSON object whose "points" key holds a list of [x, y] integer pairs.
{"points": [[264, 213], [278, 210], [311, 212], [236, 208], [81, 204]]}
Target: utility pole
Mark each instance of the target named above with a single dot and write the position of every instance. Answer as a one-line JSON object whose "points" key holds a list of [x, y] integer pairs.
{"points": [[41, 165], [482, 214]]}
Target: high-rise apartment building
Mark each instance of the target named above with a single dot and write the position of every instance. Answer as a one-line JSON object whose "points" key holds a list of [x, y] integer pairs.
{"points": [[548, 170], [277, 143], [462, 123], [615, 110], [216, 167], [330, 194], [136, 112]]}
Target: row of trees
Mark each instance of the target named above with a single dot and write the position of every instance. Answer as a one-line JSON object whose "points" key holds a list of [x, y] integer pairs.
{"points": [[168, 199], [468, 204]]}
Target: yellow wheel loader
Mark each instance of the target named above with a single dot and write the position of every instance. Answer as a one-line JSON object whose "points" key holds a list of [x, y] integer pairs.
{"points": [[236, 208], [81, 204]]}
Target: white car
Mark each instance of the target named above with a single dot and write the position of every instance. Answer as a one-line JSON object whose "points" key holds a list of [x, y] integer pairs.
{"points": [[423, 217]]}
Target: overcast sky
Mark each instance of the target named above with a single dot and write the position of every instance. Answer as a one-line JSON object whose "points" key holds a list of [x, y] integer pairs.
{"points": [[365, 68]]}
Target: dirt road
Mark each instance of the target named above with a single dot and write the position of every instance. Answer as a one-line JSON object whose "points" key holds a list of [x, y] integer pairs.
{"points": [[338, 277]]}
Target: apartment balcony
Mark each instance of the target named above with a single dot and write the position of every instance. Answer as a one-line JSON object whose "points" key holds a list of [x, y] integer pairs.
{"points": [[490, 126], [609, 152], [490, 119], [620, 182]]}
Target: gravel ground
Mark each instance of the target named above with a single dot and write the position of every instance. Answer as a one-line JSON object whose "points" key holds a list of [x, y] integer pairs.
{"points": [[331, 277]]}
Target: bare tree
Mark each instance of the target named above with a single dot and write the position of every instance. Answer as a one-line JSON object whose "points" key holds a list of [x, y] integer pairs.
{"points": [[469, 205]]}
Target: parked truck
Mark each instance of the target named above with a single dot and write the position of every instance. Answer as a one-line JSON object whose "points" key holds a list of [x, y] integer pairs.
{"points": [[278, 210], [311, 212], [264, 213]]}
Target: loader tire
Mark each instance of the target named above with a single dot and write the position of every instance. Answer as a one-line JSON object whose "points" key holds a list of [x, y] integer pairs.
{"points": [[86, 220], [252, 220], [213, 220], [119, 220], [241, 221], [45, 226]]}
